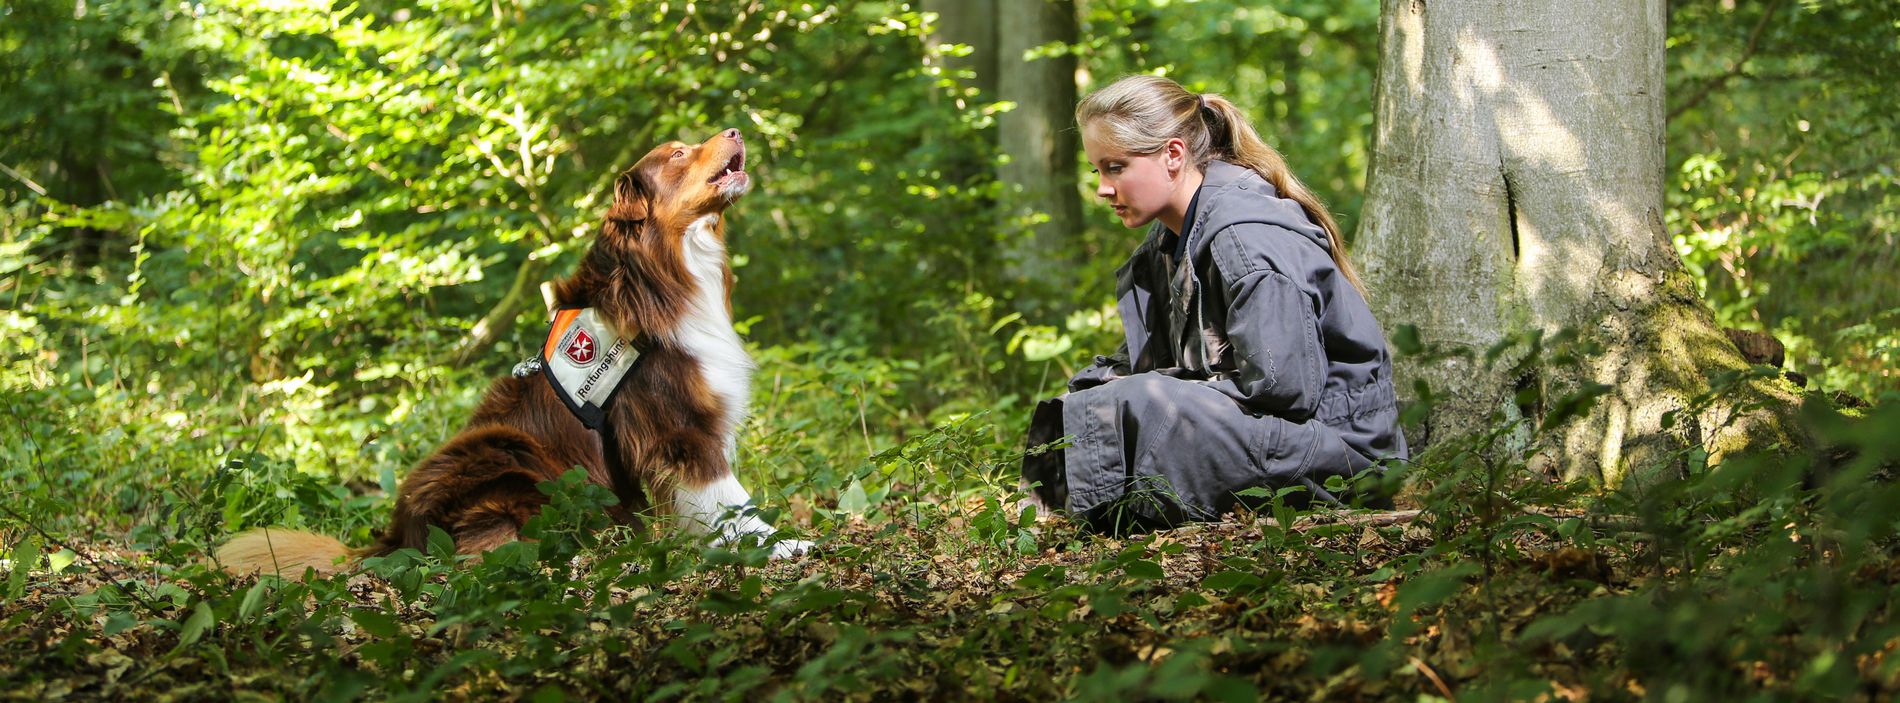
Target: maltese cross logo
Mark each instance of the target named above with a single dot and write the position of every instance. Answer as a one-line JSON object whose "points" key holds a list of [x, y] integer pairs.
{"points": [[581, 350]]}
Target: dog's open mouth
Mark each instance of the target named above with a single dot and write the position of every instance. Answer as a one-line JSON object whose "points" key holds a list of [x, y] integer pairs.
{"points": [[735, 168]]}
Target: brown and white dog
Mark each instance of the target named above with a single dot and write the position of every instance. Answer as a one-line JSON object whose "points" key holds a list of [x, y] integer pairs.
{"points": [[656, 276]]}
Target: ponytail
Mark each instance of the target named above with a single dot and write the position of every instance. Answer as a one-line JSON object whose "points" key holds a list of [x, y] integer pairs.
{"points": [[1141, 113], [1233, 140]]}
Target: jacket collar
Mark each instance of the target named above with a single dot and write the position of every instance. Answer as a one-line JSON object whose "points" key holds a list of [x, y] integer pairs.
{"points": [[1186, 323], [1144, 266]]}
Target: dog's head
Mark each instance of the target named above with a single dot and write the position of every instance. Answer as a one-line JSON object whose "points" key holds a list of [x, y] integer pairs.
{"points": [[677, 183]]}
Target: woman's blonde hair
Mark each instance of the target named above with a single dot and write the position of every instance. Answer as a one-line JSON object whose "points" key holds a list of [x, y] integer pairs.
{"points": [[1139, 114]]}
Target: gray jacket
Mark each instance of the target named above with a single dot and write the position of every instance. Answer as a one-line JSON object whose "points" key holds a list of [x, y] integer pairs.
{"points": [[1262, 315]]}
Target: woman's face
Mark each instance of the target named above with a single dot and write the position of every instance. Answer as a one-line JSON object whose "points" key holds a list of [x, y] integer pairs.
{"points": [[1138, 186]]}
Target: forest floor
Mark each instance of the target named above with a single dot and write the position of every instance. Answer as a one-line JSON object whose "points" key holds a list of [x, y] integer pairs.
{"points": [[904, 605]]}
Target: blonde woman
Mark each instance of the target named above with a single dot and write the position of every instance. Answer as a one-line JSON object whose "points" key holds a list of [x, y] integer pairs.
{"points": [[1251, 359]]}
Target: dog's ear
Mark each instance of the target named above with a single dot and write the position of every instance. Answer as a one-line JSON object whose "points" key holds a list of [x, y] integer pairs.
{"points": [[632, 198]]}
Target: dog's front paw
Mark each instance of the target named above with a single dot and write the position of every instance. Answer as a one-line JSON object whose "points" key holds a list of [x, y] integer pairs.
{"points": [[787, 549], [1031, 501], [782, 549]]}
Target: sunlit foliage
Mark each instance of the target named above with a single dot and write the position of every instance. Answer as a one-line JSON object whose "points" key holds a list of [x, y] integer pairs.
{"points": [[256, 258]]}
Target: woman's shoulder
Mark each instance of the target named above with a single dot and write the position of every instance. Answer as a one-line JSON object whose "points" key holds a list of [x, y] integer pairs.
{"points": [[1236, 197], [1244, 248]]}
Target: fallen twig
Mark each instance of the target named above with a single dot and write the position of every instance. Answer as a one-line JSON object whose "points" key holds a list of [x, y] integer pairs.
{"points": [[1422, 668], [1606, 523], [1368, 519]]}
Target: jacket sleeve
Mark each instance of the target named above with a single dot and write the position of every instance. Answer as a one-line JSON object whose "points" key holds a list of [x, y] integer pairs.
{"points": [[1272, 322], [1103, 370]]}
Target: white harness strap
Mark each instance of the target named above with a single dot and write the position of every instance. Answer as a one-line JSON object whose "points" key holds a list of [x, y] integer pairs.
{"points": [[585, 361]]}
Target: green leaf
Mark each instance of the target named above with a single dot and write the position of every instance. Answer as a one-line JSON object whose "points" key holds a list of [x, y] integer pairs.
{"points": [[1405, 340], [854, 501], [1108, 604], [342, 684], [1427, 589], [1554, 627], [119, 622], [512, 554], [1229, 581], [1231, 689], [1574, 404], [196, 626], [441, 545], [1044, 577], [254, 599], [25, 556], [1144, 569], [375, 622], [1025, 542], [1004, 321], [58, 561]]}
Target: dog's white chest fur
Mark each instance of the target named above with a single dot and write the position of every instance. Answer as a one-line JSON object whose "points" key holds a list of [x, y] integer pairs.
{"points": [[706, 333]]}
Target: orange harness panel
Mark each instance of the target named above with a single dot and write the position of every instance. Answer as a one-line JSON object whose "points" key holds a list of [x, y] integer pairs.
{"points": [[585, 361]]}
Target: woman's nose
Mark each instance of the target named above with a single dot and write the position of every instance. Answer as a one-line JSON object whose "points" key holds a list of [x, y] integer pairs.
{"points": [[1103, 190]]}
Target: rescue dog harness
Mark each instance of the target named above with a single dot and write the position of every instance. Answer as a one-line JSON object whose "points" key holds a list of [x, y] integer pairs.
{"points": [[585, 361]]}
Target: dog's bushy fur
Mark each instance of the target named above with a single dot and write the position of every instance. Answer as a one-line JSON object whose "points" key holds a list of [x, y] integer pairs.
{"points": [[666, 428]]}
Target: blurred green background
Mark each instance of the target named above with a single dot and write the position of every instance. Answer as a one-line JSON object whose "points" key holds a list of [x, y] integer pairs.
{"points": [[304, 234]]}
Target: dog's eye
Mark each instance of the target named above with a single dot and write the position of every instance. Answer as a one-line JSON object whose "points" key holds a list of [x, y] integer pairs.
{"points": [[679, 153]]}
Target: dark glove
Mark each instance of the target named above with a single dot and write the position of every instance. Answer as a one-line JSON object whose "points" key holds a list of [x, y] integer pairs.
{"points": [[1104, 369]]}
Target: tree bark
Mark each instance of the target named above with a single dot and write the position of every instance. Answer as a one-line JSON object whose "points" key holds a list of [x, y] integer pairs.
{"points": [[971, 23], [1036, 138], [1516, 185], [1040, 143]]}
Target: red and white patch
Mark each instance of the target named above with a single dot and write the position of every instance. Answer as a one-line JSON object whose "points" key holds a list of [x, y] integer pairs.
{"points": [[586, 361], [580, 348]]}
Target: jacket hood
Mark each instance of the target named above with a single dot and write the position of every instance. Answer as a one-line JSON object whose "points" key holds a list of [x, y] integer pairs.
{"points": [[1229, 195], [1232, 194]]}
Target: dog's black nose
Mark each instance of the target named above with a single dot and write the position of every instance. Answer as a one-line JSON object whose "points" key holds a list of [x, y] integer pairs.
{"points": [[733, 134]]}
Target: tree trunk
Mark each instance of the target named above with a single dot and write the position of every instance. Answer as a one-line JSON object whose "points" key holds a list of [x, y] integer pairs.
{"points": [[1040, 143], [1516, 185], [971, 23]]}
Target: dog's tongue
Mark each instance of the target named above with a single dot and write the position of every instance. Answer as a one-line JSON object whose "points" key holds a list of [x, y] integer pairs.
{"points": [[736, 165]]}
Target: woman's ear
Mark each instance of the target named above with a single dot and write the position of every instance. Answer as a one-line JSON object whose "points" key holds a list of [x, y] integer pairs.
{"points": [[632, 198], [1176, 155]]}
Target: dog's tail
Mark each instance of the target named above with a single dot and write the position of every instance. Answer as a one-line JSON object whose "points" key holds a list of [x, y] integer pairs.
{"points": [[284, 552]]}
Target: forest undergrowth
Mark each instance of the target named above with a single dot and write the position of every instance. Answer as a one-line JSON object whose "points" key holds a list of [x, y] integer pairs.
{"points": [[256, 259], [1767, 577]]}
